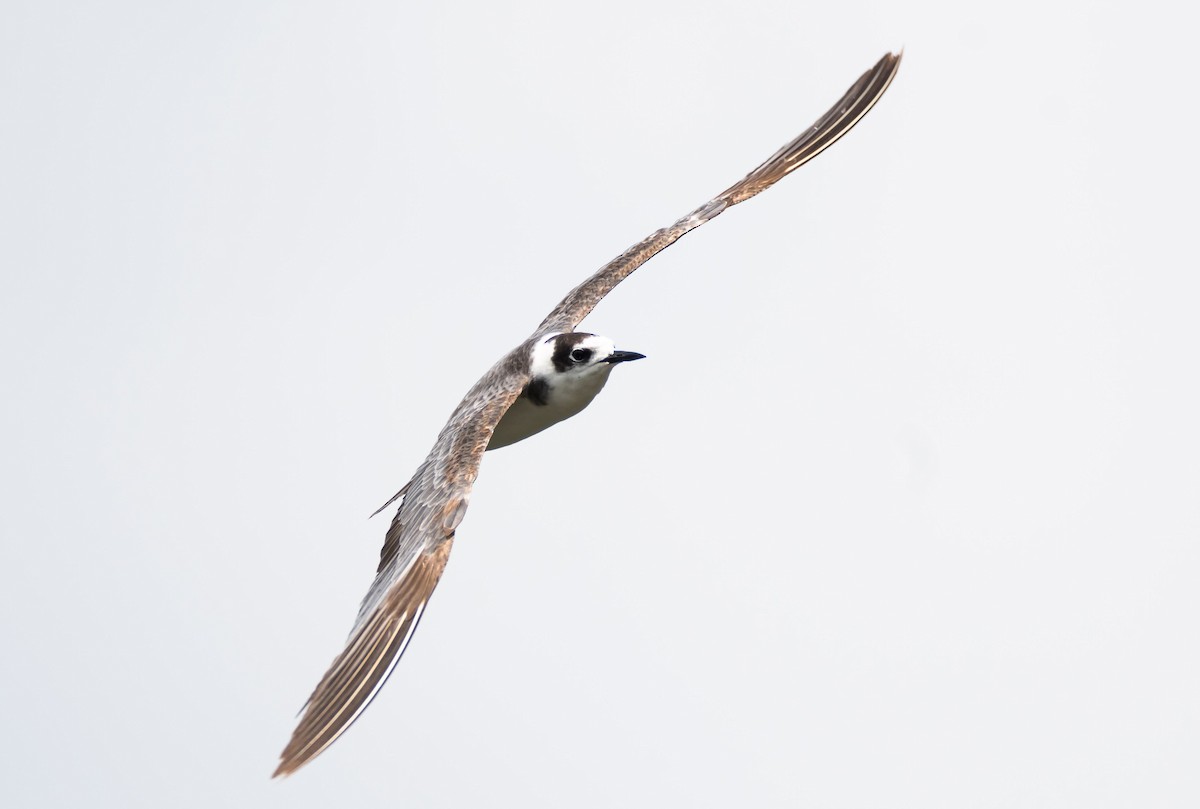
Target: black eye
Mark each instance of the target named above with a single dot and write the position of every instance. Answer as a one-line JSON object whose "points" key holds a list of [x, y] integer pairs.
{"points": [[581, 354]]}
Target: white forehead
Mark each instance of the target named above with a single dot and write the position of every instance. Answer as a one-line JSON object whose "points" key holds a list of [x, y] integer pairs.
{"points": [[593, 341], [601, 345]]}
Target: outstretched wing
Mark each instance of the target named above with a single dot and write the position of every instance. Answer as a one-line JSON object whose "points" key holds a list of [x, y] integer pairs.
{"points": [[857, 101], [419, 539], [414, 554]]}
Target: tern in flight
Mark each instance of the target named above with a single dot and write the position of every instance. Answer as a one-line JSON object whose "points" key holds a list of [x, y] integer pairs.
{"points": [[551, 376]]}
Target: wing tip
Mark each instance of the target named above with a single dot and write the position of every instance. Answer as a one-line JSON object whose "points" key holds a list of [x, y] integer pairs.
{"points": [[365, 664], [295, 756]]}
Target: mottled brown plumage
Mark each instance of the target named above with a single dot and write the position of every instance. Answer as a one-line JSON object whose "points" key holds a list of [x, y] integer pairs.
{"points": [[432, 504], [365, 662], [840, 119]]}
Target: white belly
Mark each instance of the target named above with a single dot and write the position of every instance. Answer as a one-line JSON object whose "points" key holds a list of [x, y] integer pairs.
{"points": [[564, 400]]}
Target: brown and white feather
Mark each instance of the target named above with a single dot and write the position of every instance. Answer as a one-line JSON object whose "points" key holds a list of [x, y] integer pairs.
{"points": [[411, 562], [433, 502], [839, 120]]}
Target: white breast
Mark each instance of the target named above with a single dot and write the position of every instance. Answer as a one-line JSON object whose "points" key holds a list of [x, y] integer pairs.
{"points": [[566, 396]]}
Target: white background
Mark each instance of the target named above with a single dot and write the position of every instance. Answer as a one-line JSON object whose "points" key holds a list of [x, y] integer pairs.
{"points": [[901, 511]]}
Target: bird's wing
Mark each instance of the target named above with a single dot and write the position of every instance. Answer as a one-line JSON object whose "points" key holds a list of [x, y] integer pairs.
{"points": [[857, 101], [414, 554]]}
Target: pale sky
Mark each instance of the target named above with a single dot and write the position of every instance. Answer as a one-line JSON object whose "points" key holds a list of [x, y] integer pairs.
{"points": [[901, 510]]}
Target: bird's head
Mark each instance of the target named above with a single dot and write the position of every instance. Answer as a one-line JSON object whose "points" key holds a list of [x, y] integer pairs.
{"points": [[577, 355]]}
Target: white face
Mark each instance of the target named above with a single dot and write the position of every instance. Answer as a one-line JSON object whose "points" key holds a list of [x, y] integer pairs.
{"points": [[574, 354]]}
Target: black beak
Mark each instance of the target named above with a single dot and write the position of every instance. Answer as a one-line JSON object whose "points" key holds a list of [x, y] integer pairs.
{"points": [[623, 356]]}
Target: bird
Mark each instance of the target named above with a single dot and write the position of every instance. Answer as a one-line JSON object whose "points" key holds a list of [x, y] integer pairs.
{"points": [[552, 375]]}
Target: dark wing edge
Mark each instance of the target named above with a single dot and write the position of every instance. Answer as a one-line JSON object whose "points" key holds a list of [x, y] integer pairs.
{"points": [[411, 562], [361, 669], [839, 120], [392, 499]]}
